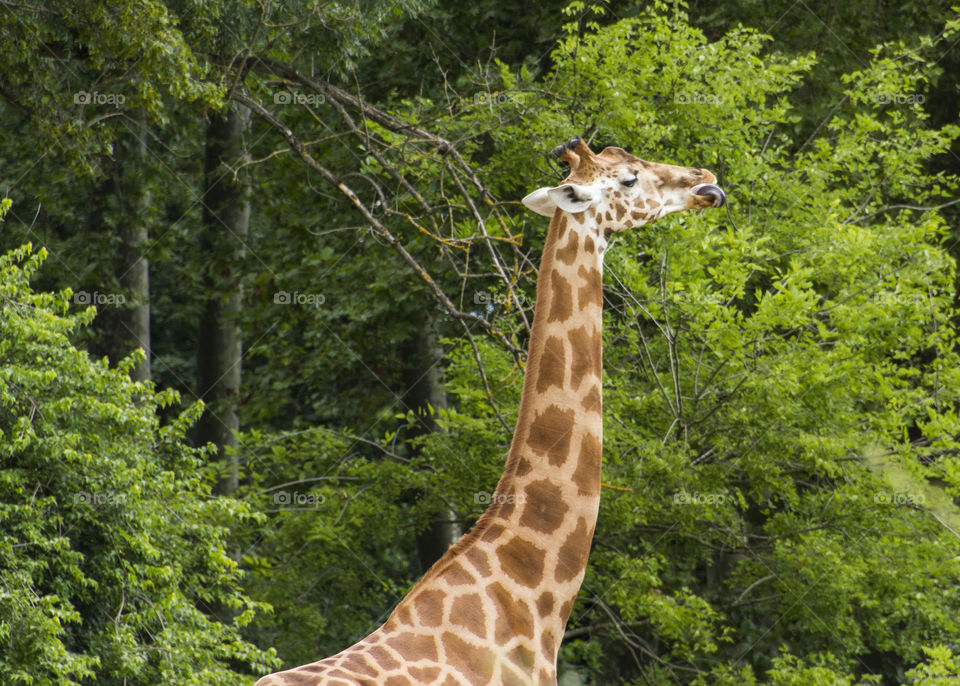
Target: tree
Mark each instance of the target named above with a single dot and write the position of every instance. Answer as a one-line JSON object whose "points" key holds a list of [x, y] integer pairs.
{"points": [[781, 388], [773, 382], [111, 542]]}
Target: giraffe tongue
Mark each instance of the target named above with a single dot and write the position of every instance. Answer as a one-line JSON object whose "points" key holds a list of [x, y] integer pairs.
{"points": [[715, 192]]}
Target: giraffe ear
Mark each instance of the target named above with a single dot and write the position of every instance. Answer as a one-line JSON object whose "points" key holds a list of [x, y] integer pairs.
{"points": [[569, 197], [540, 202], [572, 197]]}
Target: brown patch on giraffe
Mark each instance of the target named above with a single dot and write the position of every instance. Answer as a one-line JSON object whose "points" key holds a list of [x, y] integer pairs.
{"points": [[606, 233], [398, 680], [298, 678], [467, 611], [572, 556], [587, 474], [565, 610], [561, 302], [592, 292], [479, 560], [413, 647], [492, 533], [523, 467], [522, 561], [545, 603], [508, 502], [636, 214], [475, 664], [404, 616], [358, 663], [568, 253], [588, 244], [550, 433], [513, 616], [510, 678], [544, 508], [456, 575], [561, 226], [547, 679], [549, 645], [425, 675], [449, 681], [522, 657], [592, 401], [429, 606], [608, 216], [579, 216], [553, 364], [383, 657], [586, 355], [621, 210]]}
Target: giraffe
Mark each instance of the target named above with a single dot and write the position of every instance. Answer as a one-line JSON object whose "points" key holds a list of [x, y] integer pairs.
{"points": [[492, 610]]}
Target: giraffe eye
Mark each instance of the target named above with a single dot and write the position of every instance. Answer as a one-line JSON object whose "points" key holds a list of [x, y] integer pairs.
{"points": [[629, 182]]}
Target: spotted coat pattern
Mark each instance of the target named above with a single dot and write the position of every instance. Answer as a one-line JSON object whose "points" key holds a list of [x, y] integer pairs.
{"points": [[492, 610]]}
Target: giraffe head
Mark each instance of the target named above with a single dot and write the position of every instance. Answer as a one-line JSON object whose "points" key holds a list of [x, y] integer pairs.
{"points": [[622, 191]]}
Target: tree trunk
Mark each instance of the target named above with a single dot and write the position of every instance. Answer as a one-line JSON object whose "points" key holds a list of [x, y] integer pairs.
{"points": [[422, 353], [135, 268], [226, 220]]}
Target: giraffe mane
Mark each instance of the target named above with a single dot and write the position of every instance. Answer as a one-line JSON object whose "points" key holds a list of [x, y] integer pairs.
{"points": [[514, 456]]}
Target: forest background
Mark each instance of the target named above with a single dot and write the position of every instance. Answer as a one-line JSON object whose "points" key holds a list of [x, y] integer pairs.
{"points": [[266, 287]]}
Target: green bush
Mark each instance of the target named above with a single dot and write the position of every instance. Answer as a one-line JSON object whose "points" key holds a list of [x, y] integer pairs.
{"points": [[112, 549]]}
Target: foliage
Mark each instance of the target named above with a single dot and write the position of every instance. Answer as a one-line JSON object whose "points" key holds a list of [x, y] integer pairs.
{"points": [[111, 543], [767, 379], [781, 379]]}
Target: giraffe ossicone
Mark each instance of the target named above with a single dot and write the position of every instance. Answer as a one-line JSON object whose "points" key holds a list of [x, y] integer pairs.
{"points": [[492, 610]]}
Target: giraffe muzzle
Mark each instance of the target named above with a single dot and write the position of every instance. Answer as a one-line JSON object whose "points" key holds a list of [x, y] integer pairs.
{"points": [[712, 190]]}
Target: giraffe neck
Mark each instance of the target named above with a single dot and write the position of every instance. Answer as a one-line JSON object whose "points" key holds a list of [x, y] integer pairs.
{"points": [[493, 609], [549, 493], [560, 405], [502, 595]]}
